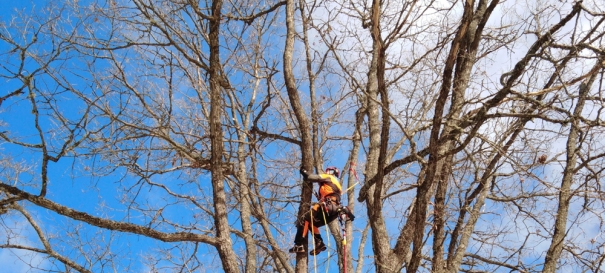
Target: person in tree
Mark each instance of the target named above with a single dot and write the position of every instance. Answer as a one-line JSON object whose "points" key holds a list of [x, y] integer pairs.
{"points": [[326, 210]]}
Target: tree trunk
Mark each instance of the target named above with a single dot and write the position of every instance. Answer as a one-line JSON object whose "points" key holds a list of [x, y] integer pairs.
{"points": [[221, 221], [558, 237], [303, 124]]}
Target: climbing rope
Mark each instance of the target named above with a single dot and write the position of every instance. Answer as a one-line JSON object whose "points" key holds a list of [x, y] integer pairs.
{"points": [[313, 240], [323, 209], [352, 170], [323, 212], [341, 220]]}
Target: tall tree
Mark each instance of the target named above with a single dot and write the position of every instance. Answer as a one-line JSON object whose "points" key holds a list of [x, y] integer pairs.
{"points": [[172, 133]]}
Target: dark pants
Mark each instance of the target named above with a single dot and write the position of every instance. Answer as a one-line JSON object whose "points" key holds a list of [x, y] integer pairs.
{"points": [[317, 217]]}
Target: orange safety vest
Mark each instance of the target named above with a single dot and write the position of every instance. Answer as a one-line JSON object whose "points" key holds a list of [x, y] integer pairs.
{"points": [[329, 188]]}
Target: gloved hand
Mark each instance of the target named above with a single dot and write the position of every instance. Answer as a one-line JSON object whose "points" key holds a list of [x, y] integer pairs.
{"points": [[346, 211], [304, 172]]}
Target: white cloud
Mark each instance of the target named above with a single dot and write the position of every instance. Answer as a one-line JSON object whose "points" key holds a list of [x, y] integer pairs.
{"points": [[17, 260]]}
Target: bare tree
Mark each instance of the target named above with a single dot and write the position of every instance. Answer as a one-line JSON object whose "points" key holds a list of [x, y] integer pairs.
{"points": [[183, 124]]}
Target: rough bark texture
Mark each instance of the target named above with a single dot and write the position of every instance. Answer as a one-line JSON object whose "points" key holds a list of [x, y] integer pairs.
{"points": [[560, 229], [183, 124], [303, 125], [223, 228]]}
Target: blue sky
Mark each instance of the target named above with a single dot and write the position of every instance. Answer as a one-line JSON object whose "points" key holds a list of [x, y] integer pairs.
{"points": [[67, 185], [72, 184]]}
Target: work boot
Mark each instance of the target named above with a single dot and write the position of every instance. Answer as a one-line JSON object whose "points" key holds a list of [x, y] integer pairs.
{"points": [[297, 249], [319, 247]]}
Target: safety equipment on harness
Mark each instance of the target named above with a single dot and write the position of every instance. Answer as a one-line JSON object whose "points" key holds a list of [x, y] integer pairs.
{"points": [[344, 210]]}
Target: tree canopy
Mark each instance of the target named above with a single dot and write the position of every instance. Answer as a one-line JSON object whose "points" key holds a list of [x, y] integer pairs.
{"points": [[167, 136]]}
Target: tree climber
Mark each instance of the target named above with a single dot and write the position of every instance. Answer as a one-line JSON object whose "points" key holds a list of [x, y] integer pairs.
{"points": [[326, 210]]}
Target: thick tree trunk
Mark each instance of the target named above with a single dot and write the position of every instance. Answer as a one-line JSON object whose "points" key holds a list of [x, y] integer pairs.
{"points": [[381, 249], [303, 124], [221, 221]]}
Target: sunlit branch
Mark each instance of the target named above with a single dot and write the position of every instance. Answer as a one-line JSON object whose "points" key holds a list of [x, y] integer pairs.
{"points": [[106, 223]]}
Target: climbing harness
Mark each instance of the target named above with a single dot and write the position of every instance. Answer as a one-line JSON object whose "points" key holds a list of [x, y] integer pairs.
{"points": [[343, 213]]}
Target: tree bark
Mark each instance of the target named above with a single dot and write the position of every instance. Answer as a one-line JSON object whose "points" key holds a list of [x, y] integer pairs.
{"points": [[221, 221], [558, 237], [303, 124]]}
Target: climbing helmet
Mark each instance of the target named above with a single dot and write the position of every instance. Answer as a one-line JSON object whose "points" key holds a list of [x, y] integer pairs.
{"points": [[333, 171]]}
